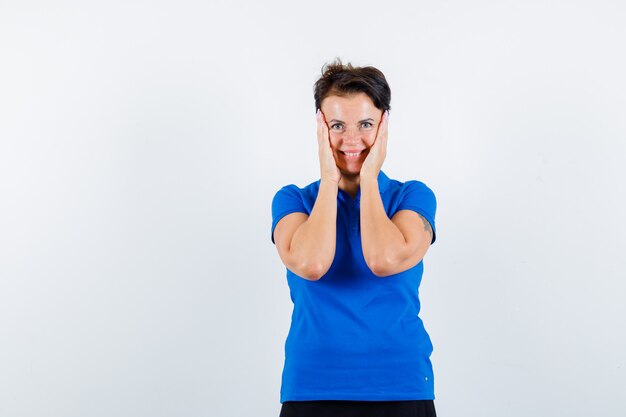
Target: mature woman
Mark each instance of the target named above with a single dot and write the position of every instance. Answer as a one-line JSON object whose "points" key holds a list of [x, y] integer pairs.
{"points": [[353, 244]]}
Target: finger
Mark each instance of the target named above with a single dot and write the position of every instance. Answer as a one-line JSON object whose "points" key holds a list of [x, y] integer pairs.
{"points": [[326, 134], [320, 131], [383, 131], [386, 131], [323, 135], [379, 130], [324, 126]]}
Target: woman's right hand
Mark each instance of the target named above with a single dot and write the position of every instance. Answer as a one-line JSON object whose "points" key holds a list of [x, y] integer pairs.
{"points": [[328, 165]]}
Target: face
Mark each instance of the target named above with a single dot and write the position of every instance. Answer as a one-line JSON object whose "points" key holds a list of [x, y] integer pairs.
{"points": [[352, 126]]}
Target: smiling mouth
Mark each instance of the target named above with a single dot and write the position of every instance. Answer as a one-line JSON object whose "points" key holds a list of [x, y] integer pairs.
{"points": [[352, 155]]}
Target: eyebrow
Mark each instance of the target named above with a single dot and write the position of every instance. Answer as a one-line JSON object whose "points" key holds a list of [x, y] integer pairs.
{"points": [[360, 121]]}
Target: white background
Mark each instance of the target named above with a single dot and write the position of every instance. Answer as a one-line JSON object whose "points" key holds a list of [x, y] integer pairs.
{"points": [[141, 144]]}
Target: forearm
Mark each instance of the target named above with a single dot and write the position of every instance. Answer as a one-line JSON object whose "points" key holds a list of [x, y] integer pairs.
{"points": [[381, 240], [313, 244]]}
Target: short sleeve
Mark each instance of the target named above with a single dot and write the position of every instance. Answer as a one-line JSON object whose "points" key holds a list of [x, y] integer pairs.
{"points": [[418, 197], [287, 200]]}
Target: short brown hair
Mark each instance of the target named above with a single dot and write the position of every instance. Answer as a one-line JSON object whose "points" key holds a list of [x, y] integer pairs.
{"points": [[342, 80]]}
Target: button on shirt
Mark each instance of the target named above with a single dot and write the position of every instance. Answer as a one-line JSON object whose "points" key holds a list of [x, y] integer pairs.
{"points": [[353, 335]]}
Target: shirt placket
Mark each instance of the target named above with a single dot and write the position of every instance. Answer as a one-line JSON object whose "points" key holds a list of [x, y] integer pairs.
{"points": [[355, 216]]}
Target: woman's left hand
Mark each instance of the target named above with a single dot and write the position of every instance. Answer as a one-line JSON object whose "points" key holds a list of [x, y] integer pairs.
{"points": [[376, 156]]}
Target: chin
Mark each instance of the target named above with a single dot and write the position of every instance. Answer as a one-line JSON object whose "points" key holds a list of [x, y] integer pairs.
{"points": [[351, 172]]}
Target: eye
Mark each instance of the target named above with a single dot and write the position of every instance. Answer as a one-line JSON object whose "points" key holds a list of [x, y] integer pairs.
{"points": [[367, 123], [336, 124]]}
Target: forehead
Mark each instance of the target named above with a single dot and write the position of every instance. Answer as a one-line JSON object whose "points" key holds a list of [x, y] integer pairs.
{"points": [[357, 105]]}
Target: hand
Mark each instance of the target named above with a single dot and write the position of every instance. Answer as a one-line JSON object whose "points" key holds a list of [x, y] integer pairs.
{"points": [[376, 156], [328, 165]]}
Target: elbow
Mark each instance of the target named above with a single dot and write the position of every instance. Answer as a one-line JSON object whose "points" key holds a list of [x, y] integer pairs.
{"points": [[312, 271], [380, 273], [379, 267]]}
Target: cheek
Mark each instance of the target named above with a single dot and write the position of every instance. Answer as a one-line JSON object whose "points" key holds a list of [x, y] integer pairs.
{"points": [[334, 140], [369, 138]]}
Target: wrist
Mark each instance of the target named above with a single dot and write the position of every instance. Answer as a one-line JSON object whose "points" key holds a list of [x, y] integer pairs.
{"points": [[367, 178], [328, 183]]}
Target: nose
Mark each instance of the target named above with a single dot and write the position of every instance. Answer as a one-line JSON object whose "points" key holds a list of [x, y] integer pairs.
{"points": [[351, 134]]}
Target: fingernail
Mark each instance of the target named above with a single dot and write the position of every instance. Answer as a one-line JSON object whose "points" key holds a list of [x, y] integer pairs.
{"points": [[386, 114]]}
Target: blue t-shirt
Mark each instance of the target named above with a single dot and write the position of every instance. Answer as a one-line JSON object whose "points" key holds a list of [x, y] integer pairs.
{"points": [[353, 335]]}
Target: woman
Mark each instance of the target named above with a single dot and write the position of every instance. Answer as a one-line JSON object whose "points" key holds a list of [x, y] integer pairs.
{"points": [[353, 244]]}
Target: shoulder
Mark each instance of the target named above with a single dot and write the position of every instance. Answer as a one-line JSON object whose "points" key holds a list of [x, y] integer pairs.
{"points": [[418, 187], [415, 195], [307, 193], [289, 189], [293, 190], [291, 197], [410, 189]]}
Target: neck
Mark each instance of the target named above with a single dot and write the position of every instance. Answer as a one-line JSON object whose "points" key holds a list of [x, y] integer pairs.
{"points": [[350, 183]]}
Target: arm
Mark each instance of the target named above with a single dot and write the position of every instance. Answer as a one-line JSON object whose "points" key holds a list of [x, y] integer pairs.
{"points": [[390, 246], [312, 246]]}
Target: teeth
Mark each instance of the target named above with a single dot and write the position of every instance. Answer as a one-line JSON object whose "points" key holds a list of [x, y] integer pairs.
{"points": [[352, 154]]}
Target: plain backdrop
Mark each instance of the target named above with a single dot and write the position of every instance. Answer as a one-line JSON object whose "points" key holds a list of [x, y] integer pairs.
{"points": [[141, 144]]}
